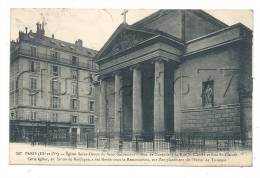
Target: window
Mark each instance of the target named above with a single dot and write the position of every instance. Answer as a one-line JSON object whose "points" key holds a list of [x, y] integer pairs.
{"points": [[55, 70], [54, 117], [55, 102], [74, 89], [33, 100], [34, 66], [55, 87], [74, 103], [33, 115], [33, 83], [74, 74], [55, 54], [33, 51], [74, 119], [12, 116], [91, 119], [91, 105], [208, 93], [74, 60]]}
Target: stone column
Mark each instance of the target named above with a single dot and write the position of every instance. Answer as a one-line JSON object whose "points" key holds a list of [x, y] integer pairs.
{"points": [[118, 103], [102, 140], [159, 127], [78, 135], [103, 109], [137, 101]]}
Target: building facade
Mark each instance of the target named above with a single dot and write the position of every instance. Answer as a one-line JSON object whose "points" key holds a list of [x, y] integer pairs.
{"points": [[52, 96], [176, 72]]}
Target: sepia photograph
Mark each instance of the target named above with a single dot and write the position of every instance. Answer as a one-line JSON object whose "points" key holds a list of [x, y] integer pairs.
{"points": [[130, 87]]}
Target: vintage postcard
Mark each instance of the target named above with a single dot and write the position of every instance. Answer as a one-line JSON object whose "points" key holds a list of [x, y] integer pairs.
{"points": [[131, 87]]}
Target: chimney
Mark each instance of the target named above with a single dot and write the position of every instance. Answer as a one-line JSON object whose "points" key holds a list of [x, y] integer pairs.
{"points": [[52, 36], [43, 31], [38, 31], [26, 28], [79, 43], [20, 34]]}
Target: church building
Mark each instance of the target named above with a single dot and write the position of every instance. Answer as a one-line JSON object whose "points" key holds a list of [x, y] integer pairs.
{"points": [[176, 72]]}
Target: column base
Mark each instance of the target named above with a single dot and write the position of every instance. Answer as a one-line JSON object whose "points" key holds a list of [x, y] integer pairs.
{"points": [[160, 145], [116, 143], [103, 143], [136, 143]]}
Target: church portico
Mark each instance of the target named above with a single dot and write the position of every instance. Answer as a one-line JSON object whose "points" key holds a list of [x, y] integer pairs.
{"points": [[141, 107], [139, 100], [136, 60]]}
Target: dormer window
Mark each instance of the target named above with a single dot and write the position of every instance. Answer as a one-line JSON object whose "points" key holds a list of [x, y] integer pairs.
{"points": [[55, 54], [53, 42]]}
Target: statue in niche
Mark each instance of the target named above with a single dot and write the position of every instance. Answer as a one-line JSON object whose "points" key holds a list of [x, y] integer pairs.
{"points": [[208, 94]]}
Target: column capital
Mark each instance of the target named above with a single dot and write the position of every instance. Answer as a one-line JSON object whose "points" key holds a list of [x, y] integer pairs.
{"points": [[102, 77], [118, 72], [136, 66], [160, 60]]}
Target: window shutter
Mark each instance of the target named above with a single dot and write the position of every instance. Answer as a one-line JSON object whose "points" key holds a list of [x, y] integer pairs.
{"points": [[51, 70], [37, 52], [51, 102], [30, 83], [59, 70], [59, 88], [78, 104], [37, 67], [51, 86], [35, 84], [59, 106]]}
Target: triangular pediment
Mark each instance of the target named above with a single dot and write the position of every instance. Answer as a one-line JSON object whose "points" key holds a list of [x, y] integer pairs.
{"points": [[122, 39]]}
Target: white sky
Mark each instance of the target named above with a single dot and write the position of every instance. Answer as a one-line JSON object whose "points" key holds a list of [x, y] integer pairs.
{"points": [[94, 26]]}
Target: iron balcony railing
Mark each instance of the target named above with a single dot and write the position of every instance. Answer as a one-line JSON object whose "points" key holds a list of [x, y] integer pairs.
{"points": [[91, 65]]}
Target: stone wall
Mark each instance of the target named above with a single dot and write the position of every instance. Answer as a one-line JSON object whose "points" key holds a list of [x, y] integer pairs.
{"points": [[221, 66], [222, 120]]}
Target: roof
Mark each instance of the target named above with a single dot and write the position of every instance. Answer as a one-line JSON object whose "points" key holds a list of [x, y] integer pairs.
{"points": [[162, 12], [57, 44]]}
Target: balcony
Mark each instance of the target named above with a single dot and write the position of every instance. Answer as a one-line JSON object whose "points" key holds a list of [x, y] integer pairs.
{"points": [[89, 65]]}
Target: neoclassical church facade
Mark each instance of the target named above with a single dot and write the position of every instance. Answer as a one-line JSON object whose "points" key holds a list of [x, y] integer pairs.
{"points": [[176, 72]]}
